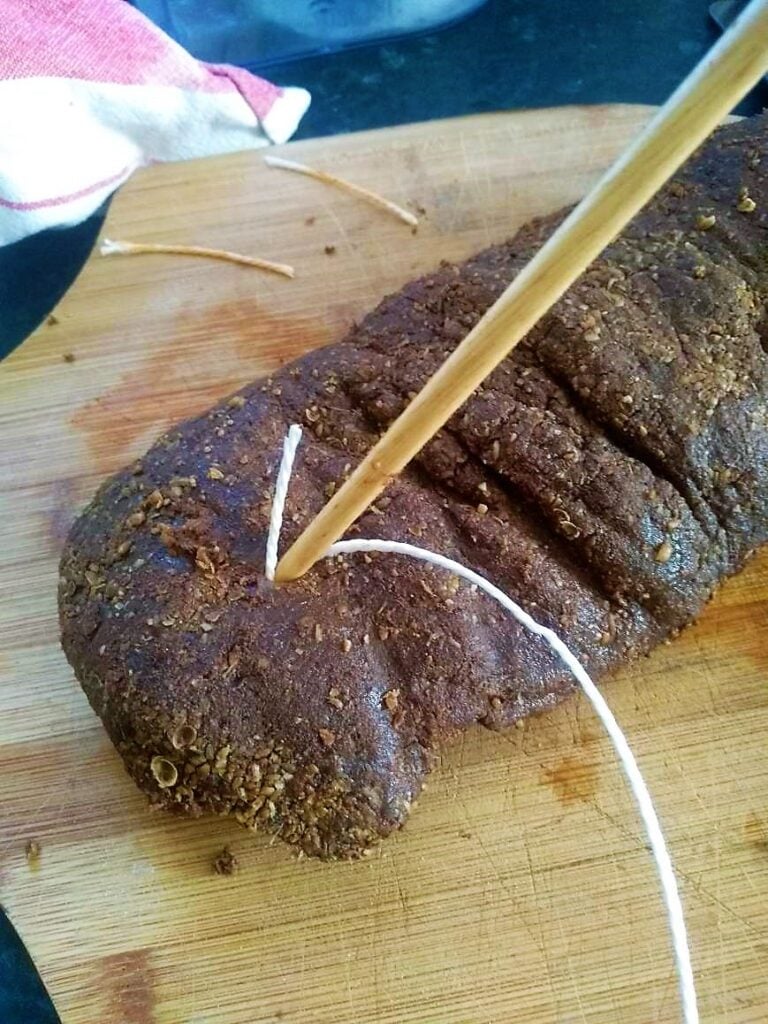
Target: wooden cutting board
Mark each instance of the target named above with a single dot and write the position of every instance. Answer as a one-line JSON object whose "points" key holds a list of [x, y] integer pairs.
{"points": [[522, 888]]}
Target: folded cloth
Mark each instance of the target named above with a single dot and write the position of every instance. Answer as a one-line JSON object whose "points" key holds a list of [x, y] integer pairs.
{"points": [[91, 89]]}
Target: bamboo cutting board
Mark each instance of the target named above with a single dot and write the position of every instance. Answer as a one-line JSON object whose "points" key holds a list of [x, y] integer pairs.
{"points": [[522, 889]]}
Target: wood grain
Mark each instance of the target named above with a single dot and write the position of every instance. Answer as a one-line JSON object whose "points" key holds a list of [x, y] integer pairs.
{"points": [[521, 890]]}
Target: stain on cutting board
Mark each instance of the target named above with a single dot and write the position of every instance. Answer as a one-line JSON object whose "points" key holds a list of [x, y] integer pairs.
{"points": [[127, 981], [573, 779], [237, 340], [65, 501], [756, 832]]}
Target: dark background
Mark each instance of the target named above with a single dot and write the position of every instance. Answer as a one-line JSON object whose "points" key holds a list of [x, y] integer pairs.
{"points": [[510, 54]]}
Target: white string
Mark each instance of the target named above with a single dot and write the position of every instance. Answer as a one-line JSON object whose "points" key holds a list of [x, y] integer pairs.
{"points": [[627, 758], [290, 444], [629, 764]]}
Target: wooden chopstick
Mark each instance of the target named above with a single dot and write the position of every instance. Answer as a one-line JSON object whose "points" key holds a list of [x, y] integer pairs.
{"points": [[712, 89]]}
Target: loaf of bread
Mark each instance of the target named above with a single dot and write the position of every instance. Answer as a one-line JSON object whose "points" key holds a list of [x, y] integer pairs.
{"points": [[607, 476]]}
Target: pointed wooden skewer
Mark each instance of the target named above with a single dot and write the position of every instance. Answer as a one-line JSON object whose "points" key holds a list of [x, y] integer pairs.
{"points": [[721, 79]]}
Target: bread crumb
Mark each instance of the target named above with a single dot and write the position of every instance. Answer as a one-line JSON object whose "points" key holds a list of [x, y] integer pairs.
{"points": [[225, 862]]}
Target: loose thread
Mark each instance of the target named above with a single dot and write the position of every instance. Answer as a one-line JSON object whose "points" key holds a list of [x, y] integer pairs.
{"points": [[109, 247], [630, 766], [348, 186]]}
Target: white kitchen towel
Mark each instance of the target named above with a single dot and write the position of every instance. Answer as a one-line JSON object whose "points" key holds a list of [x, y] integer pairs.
{"points": [[91, 89]]}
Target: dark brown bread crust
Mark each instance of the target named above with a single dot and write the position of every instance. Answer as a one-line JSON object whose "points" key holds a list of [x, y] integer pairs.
{"points": [[607, 475]]}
